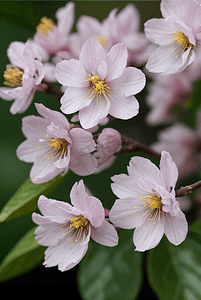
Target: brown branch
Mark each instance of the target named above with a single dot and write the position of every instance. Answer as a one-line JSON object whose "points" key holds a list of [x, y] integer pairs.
{"points": [[132, 146], [51, 89], [187, 189]]}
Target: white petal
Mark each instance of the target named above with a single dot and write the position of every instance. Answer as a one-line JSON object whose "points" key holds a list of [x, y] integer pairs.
{"points": [[105, 234], [124, 107], [148, 235], [97, 110], [176, 228], [75, 99], [125, 186], [127, 213]]}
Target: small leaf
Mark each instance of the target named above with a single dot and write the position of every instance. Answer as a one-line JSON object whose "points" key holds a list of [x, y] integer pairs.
{"points": [[26, 255], [108, 273], [26, 197], [175, 271]]}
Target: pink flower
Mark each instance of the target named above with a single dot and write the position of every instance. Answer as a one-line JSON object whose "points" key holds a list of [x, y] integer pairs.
{"points": [[108, 143], [23, 76], [177, 35], [54, 145], [147, 202], [54, 38], [99, 84], [182, 143], [67, 229], [116, 28]]}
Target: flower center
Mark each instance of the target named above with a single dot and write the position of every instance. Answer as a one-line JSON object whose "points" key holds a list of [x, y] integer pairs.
{"points": [[45, 25], [78, 227], [154, 208], [98, 86], [58, 147], [181, 39], [102, 39], [153, 201], [13, 76]]}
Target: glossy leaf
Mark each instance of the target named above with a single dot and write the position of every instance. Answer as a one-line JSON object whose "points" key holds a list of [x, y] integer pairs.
{"points": [[111, 273], [175, 271], [26, 197], [26, 255]]}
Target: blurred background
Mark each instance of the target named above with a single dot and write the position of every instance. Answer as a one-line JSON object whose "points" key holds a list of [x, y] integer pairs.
{"points": [[18, 21]]}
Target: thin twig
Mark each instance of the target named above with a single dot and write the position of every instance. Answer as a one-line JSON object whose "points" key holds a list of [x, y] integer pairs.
{"points": [[51, 89], [187, 189], [132, 146]]}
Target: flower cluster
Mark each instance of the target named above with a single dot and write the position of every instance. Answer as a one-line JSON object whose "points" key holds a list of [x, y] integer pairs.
{"points": [[98, 69]]}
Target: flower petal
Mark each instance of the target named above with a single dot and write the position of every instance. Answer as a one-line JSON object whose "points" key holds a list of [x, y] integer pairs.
{"points": [[169, 170], [125, 186], [124, 107], [176, 228], [105, 234], [74, 99], [91, 55], [97, 110], [148, 235], [90, 206], [126, 213], [116, 61], [131, 82], [143, 167], [64, 254], [71, 73]]}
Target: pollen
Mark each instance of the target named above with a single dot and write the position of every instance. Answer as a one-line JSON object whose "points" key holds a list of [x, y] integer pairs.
{"points": [[59, 146], [13, 76], [181, 39], [153, 201], [102, 39], [45, 25], [77, 228], [98, 86]]}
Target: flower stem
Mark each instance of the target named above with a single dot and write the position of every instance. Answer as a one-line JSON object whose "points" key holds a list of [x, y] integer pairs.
{"points": [[51, 89], [187, 189], [132, 146]]}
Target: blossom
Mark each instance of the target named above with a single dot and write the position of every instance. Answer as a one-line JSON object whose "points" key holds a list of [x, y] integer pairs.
{"points": [[116, 28], [108, 143], [54, 145], [55, 38], [183, 144], [99, 84], [66, 229], [147, 202], [23, 76], [177, 35]]}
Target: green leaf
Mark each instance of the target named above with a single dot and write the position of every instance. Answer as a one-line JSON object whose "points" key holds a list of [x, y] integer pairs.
{"points": [[175, 271], [196, 226], [26, 197], [26, 255], [108, 273]]}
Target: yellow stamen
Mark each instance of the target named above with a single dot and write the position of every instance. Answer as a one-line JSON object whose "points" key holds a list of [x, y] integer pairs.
{"points": [[153, 201], [181, 39], [45, 25], [98, 86], [78, 225], [102, 39], [13, 76], [58, 144], [154, 204]]}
